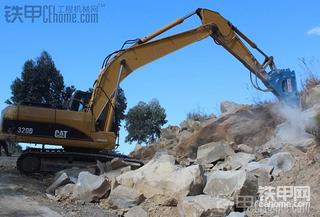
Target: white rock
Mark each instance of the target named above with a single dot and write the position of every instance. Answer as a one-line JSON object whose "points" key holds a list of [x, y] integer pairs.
{"points": [[212, 152], [204, 206], [90, 187], [224, 183], [282, 161], [73, 173], [123, 197], [162, 176], [237, 214]]}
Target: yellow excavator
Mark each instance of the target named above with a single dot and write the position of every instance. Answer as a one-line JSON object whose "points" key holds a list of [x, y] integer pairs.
{"points": [[85, 129]]}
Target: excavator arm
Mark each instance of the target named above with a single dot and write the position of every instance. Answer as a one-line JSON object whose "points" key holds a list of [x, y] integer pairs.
{"points": [[281, 83]]}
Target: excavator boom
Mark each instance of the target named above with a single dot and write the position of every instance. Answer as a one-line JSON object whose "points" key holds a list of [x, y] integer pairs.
{"points": [[281, 83]]}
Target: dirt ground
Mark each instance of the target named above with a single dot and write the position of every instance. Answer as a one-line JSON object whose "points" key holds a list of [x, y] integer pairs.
{"points": [[22, 196]]}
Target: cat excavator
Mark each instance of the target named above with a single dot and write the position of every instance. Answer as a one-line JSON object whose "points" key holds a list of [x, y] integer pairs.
{"points": [[85, 129]]}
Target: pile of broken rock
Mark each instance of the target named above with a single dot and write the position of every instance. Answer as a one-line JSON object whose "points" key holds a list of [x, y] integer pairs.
{"points": [[207, 187], [199, 169]]}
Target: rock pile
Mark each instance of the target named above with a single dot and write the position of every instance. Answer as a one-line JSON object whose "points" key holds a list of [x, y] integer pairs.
{"points": [[197, 169]]}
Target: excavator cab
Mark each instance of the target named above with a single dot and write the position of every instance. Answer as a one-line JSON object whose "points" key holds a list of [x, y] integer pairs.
{"points": [[79, 100]]}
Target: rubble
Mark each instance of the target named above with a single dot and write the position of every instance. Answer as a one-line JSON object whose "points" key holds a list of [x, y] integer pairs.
{"points": [[65, 191]]}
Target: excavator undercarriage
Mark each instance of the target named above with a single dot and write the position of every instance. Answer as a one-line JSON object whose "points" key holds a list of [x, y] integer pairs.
{"points": [[37, 160]]}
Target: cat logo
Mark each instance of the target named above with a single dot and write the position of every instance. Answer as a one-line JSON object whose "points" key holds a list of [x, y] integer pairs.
{"points": [[61, 134]]}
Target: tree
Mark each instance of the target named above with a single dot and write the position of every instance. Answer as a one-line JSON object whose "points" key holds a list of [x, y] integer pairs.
{"points": [[40, 83], [120, 108], [144, 121]]}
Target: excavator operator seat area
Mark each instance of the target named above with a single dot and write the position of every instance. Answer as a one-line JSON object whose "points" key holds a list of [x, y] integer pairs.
{"points": [[79, 100]]}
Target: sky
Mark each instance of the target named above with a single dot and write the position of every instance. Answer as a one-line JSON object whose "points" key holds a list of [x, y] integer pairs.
{"points": [[196, 78]]}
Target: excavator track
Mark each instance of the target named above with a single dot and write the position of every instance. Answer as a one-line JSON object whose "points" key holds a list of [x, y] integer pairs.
{"points": [[36, 160]]}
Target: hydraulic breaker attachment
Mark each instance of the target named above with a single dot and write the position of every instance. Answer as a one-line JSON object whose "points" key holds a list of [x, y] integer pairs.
{"points": [[282, 82]]}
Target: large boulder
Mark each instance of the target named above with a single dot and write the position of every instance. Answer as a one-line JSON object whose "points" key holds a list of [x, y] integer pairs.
{"points": [[162, 176], [253, 126], [123, 198], [230, 184], [224, 183], [204, 206], [213, 152], [90, 187]]}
